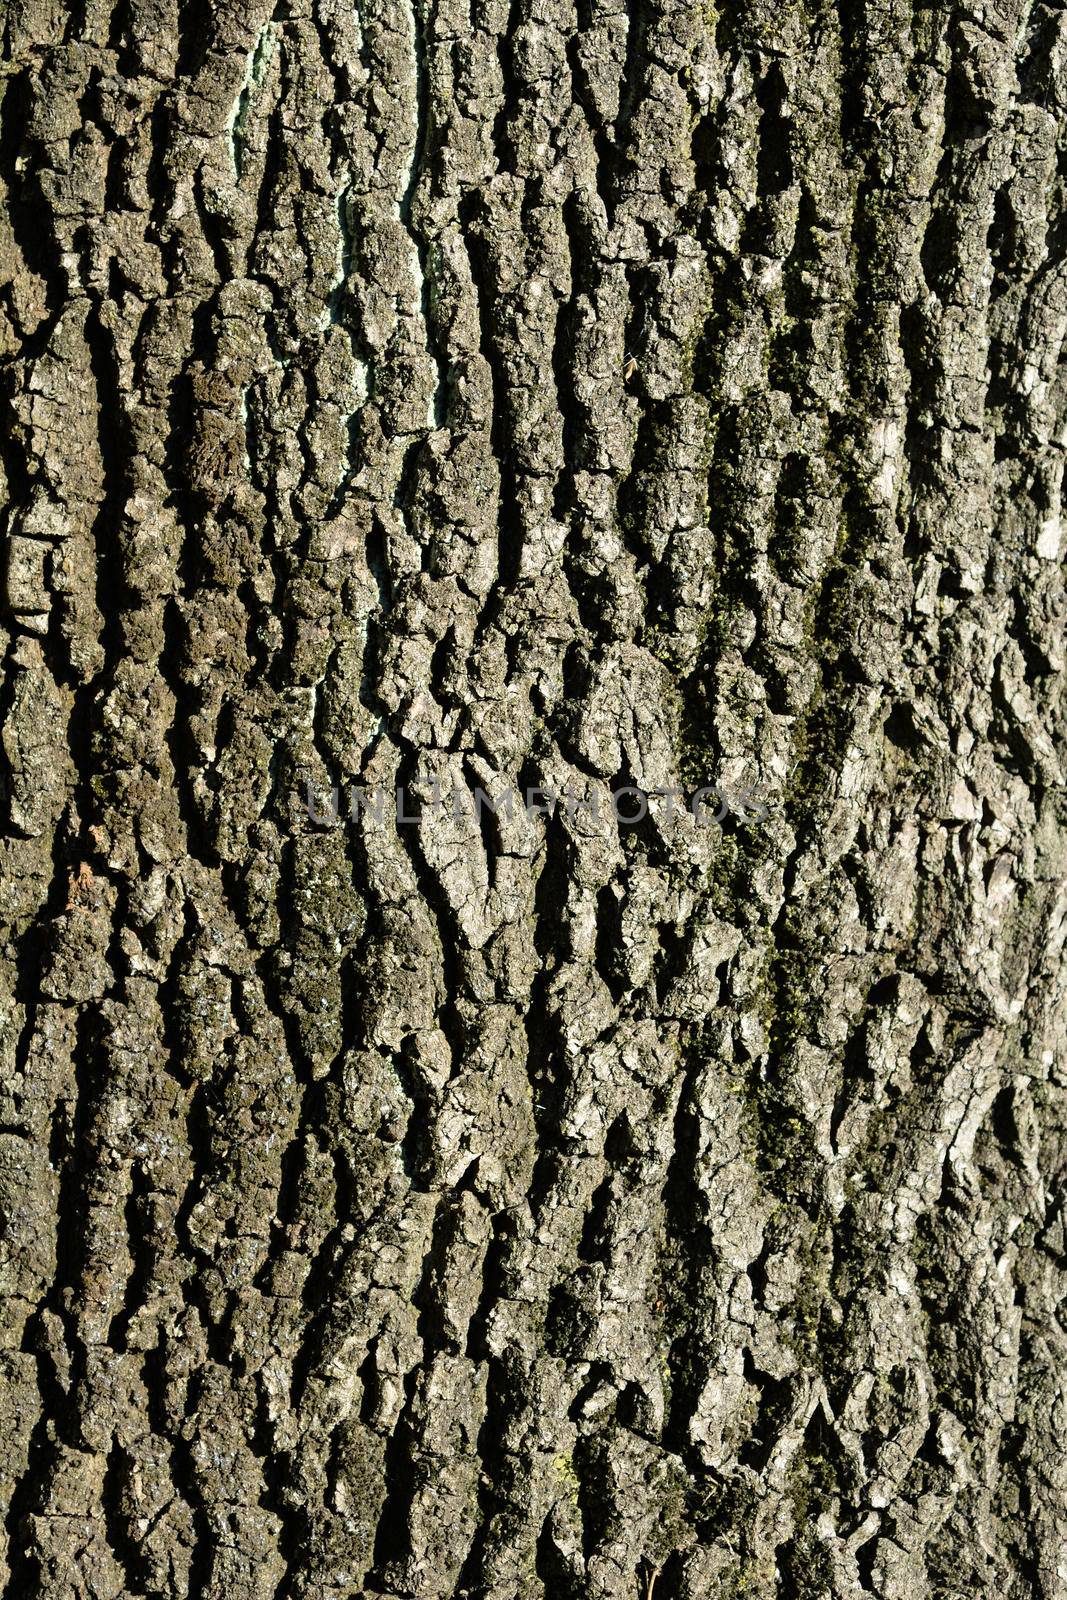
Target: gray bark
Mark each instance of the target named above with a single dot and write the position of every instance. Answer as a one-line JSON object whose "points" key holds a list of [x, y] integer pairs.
{"points": [[533, 393]]}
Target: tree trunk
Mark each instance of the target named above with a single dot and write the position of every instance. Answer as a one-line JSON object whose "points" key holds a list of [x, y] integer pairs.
{"points": [[561, 1204]]}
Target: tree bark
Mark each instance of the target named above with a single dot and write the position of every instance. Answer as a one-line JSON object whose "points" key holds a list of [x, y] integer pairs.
{"points": [[554, 1206]]}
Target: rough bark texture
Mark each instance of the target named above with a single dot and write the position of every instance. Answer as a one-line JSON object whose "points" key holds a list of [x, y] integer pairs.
{"points": [[530, 392]]}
